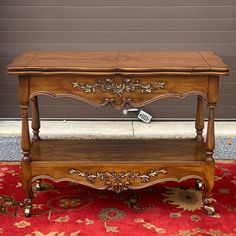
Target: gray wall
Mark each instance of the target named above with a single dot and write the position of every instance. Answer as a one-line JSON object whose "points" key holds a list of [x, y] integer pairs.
{"points": [[117, 25]]}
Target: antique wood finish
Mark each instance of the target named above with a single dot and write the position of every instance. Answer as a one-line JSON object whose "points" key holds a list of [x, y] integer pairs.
{"points": [[24, 102], [118, 79], [199, 124], [118, 151], [125, 176], [212, 100], [25, 136], [35, 118], [118, 90], [123, 61]]}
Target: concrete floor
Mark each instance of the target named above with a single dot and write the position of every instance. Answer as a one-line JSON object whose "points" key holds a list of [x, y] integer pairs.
{"points": [[116, 129], [10, 133]]}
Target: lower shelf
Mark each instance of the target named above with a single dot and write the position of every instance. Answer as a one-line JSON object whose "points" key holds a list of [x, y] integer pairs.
{"points": [[118, 164], [118, 151]]}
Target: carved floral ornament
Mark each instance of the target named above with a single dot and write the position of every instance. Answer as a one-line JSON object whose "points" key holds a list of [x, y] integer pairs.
{"points": [[117, 89], [117, 181]]}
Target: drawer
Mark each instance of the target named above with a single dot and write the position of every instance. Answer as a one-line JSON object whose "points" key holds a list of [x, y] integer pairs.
{"points": [[118, 90], [151, 88]]}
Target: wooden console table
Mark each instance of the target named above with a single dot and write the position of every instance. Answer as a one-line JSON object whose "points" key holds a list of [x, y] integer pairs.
{"points": [[118, 79]]}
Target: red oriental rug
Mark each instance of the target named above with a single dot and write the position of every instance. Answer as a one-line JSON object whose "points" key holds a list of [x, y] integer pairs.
{"points": [[67, 209]]}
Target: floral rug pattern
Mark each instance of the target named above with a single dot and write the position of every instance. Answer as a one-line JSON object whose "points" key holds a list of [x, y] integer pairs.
{"points": [[69, 209]]}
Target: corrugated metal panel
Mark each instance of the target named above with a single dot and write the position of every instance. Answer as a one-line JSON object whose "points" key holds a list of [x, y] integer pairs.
{"points": [[117, 25]]}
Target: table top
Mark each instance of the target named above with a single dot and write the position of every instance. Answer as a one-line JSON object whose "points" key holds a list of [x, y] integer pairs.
{"points": [[40, 62]]}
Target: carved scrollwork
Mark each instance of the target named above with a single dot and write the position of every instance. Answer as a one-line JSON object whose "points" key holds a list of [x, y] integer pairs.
{"points": [[117, 181], [117, 89]]}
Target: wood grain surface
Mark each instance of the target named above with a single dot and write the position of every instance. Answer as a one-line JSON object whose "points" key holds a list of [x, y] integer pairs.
{"points": [[118, 151], [130, 61]]}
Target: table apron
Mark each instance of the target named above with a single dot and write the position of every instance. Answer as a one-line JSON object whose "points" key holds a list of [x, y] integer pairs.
{"points": [[118, 90]]}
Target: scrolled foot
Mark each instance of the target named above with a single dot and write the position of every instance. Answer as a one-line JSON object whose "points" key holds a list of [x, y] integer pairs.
{"points": [[199, 185], [28, 205], [210, 210]]}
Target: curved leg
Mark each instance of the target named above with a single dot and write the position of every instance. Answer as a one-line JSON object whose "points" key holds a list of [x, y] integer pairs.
{"points": [[206, 197]]}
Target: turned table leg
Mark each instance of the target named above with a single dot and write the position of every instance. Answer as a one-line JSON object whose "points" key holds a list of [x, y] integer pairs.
{"points": [[212, 99], [210, 145], [36, 127], [25, 142], [35, 119], [25, 137], [26, 162], [199, 123], [210, 139]]}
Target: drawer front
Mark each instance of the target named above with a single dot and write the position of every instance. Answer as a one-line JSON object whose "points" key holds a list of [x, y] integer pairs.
{"points": [[118, 90]]}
